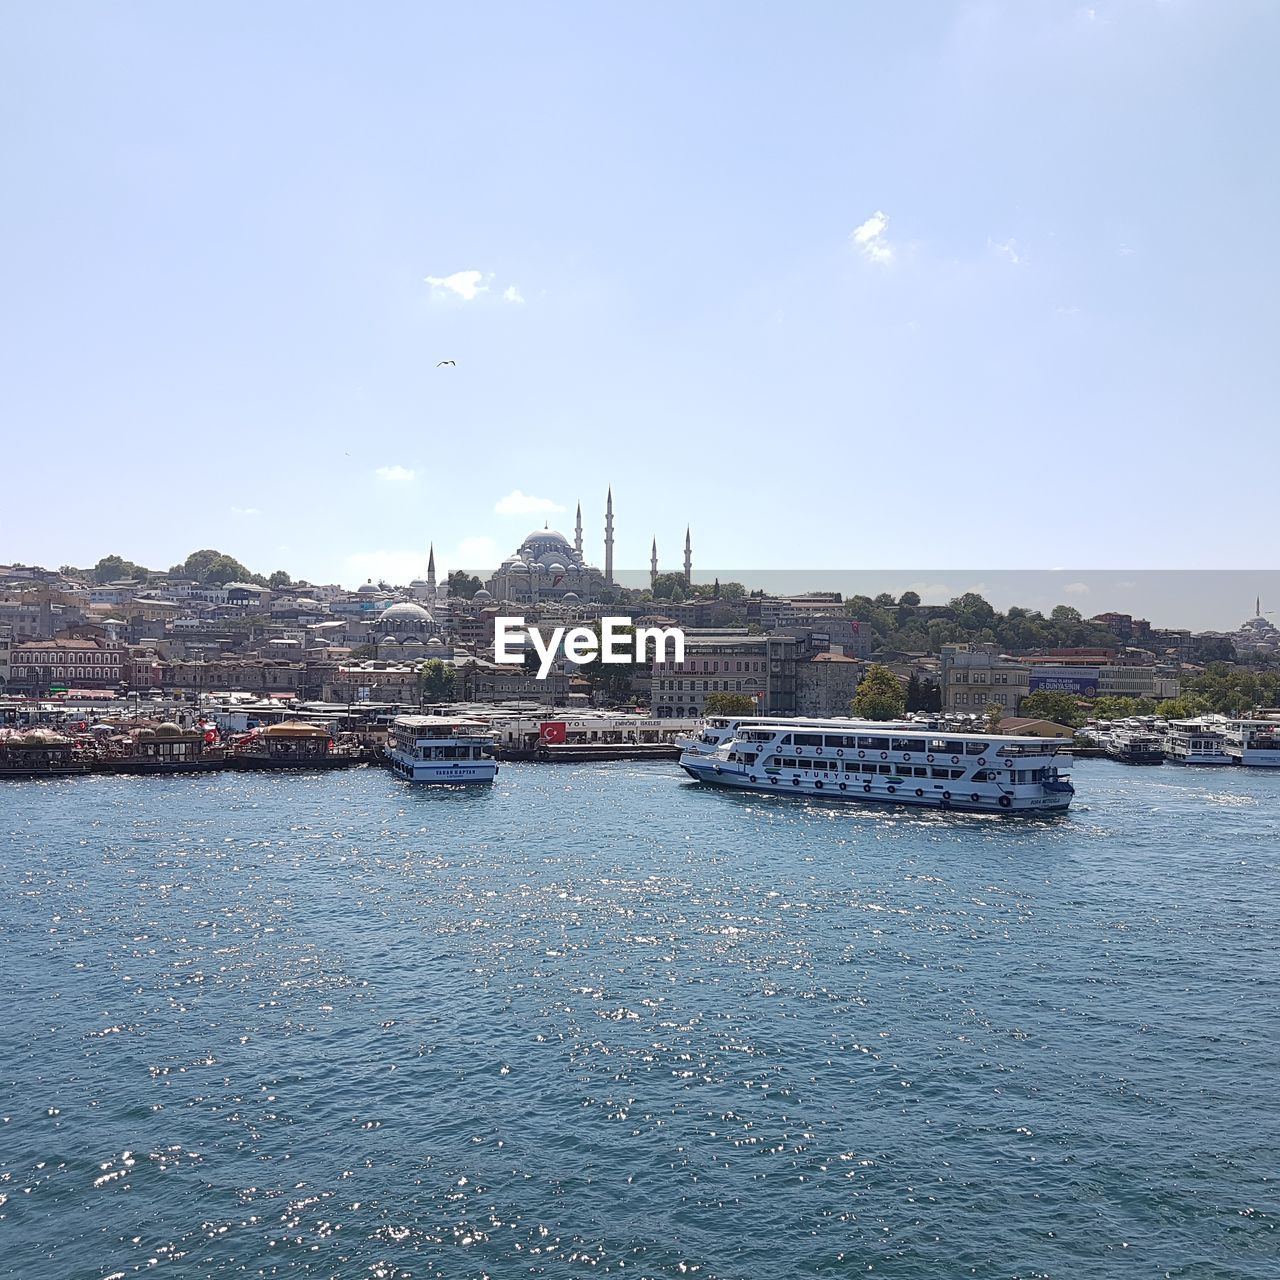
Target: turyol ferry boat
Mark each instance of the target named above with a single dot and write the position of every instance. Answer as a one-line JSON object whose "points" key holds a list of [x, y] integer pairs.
{"points": [[440, 749], [894, 763]]}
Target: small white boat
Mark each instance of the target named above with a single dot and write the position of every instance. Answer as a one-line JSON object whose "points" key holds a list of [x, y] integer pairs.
{"points": [[442, 750]]}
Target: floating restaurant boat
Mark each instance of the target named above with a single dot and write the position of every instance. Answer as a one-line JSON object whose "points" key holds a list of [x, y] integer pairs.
{"points": [[39, 753], [292, 744], [441, 749], [163, 748], [895, 764]]}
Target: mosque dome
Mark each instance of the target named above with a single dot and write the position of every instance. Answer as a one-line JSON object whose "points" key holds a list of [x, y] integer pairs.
{"points": [[405, 611], [482, 594], [366, 588], [547, 536], [570, 597], [555, 567]]}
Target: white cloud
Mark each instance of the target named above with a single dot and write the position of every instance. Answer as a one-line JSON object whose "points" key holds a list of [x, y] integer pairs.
{"points": [[512, 294], [395, 474], [1006, 249], [525, 504], [245, 511], [1076, 589], [462, 284], [870, 238]]}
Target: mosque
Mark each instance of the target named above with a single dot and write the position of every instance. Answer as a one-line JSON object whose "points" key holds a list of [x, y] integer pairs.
{"points": [[547, 566]]}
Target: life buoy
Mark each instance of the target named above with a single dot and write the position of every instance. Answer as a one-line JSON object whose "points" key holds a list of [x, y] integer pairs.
{"points": [[839, 753], [862, 755], [753, 777], [919, 791], [982, 759], [1008, 764], [866, 786], [955, 759], [818, 783], [1005, 802], [892, 787], [929, 759], [817, 751], [884, 755], [795, 782], [974, 797], [773, 779], [842, 786], [906, 755], [946, 795]]}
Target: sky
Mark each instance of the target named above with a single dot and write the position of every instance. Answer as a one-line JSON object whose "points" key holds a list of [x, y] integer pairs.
{"points": [[846, 286]]}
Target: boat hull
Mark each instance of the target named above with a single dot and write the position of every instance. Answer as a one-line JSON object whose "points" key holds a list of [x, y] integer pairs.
{"points": [[984, 799], [441, 773]]}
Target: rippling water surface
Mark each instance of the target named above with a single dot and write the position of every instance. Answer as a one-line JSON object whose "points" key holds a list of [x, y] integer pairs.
{"points": [[600, 1021]]}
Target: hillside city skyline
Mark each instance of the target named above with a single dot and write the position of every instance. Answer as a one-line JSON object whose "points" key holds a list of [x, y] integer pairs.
{"points": [[990, 283]]}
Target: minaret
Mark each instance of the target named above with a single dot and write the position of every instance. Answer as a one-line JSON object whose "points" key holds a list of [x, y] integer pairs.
{"points": [[653, 565], [688, 558], [577, 536], [431, 569], [608, 537]]}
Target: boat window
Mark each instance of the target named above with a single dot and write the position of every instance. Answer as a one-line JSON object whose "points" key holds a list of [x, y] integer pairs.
{"points": [[908, 744], [975, 748], [808, 739], [785, 740], [870, 744], [953, 748], [788, 764]]}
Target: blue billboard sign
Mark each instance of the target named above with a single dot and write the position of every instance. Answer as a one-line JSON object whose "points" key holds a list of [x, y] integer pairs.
{"points": [[1080, 685]]}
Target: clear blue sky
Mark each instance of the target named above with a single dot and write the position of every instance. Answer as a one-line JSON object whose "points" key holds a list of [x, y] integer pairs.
{"points": [[841, 285]]}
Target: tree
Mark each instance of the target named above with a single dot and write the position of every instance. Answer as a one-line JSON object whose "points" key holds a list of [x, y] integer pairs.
{"points": [[114, 568], [214, 568], [1183, 708], [909, 600], [665, 584], [730, 704], [463, 585], [995, 713], [1052, 704], [279, 579], [879, 696], [436, 681]]}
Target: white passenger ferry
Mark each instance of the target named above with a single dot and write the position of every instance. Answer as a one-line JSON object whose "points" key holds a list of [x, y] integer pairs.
{"points": [[441, 750], [1253, 743], [1195, 741], [890, 763]]}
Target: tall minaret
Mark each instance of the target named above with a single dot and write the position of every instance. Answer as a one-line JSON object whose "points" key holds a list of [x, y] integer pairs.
{"points": [[653, 565], [431, 569], [577, 536], [608, 538], [688, 558]]}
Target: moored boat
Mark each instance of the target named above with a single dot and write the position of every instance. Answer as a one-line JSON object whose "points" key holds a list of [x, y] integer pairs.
{"points": [[441, 750]]}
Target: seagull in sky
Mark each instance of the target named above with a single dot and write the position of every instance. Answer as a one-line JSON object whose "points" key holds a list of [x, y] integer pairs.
{"points": [[443, 362]]}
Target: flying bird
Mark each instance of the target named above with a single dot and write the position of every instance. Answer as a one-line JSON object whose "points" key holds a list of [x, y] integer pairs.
{"points": [[452, 362]]}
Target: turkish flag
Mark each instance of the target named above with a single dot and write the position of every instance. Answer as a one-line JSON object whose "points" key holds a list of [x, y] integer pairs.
{"points": [[553, 731]]}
